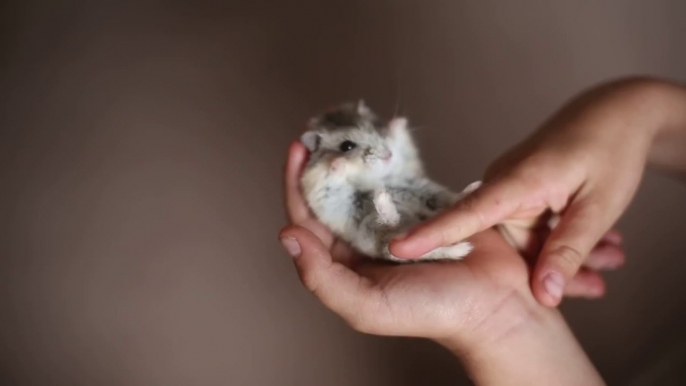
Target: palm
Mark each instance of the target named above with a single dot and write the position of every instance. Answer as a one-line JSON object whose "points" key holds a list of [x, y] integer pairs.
{"points": [[406, 299], [437, 296]]}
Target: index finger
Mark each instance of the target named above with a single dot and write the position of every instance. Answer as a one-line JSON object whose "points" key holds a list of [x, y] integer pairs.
{"points": [[479, 211], [298, 211]]}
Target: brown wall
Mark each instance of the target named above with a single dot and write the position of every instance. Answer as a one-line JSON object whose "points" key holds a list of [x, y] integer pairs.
{"points": [[141, 149]]}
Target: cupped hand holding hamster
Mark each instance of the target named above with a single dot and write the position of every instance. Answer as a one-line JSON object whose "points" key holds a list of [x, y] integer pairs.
{"points": [[480, 308], [366, 183]]}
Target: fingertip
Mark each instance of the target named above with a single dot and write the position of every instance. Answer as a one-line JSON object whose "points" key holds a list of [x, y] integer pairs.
{"points": [[411, 245], [297, 147], [606, 257], [595, 291], [288, 231], [306, 240], [594, 284], [397, 246], [614, 237], [296, 206], [548, 284], [544, 298], [550, 288], [297, 152], [292, 246], [599, 290], [586, 284], [288, 237], [397, 249]]}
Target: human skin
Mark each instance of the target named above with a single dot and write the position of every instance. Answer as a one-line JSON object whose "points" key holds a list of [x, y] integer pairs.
{"points": [[584, 163], [481, 308]]}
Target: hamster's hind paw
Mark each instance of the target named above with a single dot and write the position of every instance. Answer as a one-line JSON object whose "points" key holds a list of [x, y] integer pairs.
{"points": [[453, 252]]}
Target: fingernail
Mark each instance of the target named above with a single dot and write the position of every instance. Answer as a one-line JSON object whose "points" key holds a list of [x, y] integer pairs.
{"points": [[291, 245], [554, 284]]}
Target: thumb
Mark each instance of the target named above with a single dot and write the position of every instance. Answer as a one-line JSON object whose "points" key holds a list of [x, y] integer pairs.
{"points": [[579, 230], [340, 289], [484, 208]]}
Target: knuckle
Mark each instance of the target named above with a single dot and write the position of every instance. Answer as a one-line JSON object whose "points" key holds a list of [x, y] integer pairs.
{"points": [[310, 281], [568, 258]]}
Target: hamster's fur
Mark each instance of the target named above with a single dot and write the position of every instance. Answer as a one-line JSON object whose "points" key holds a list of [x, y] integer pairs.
{"points": [[366, 182]]}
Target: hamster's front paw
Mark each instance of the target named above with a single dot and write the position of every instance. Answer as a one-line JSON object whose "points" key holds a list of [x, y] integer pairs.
{"points": [[471, 188], [388, 214]]}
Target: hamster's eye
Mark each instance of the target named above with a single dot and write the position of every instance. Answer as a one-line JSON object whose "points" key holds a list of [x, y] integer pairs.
{"points": [[347, 146]]}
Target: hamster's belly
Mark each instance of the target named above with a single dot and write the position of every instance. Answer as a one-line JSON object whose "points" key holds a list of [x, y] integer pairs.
{"points": [[335, 207]]}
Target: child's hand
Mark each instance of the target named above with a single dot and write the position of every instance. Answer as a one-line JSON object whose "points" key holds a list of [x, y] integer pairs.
{"points": [[585, 163], [432, 300]]}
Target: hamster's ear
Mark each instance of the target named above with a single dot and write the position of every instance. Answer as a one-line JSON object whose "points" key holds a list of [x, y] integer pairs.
{"points": [[313, 123], [311, 140], [398, 126], [362, 108], [399, 134]]}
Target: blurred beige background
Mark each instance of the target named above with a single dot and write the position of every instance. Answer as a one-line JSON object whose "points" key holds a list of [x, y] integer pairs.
{"points": [[141, 147]]}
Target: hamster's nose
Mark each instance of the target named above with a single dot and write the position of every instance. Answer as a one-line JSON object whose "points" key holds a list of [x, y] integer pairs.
{"points": [[387, 155]]}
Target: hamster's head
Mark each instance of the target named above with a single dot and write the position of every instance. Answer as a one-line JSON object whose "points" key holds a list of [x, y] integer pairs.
{"points": [[350, 142]]}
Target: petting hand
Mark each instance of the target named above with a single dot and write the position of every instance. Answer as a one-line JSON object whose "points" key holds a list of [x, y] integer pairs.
{"points": [[584, 164]]}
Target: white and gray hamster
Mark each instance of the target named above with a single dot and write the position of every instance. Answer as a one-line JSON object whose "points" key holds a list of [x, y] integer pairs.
{"points": [[365, 181]]}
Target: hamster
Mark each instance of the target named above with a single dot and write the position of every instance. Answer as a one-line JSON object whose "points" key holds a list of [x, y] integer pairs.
{"points": [[365, 181]]}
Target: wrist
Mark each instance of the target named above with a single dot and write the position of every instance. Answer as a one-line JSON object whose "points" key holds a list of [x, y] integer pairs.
{"points": [[656, 106], [515, 313], [523, 343], [626, 115], [668, 138]]}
